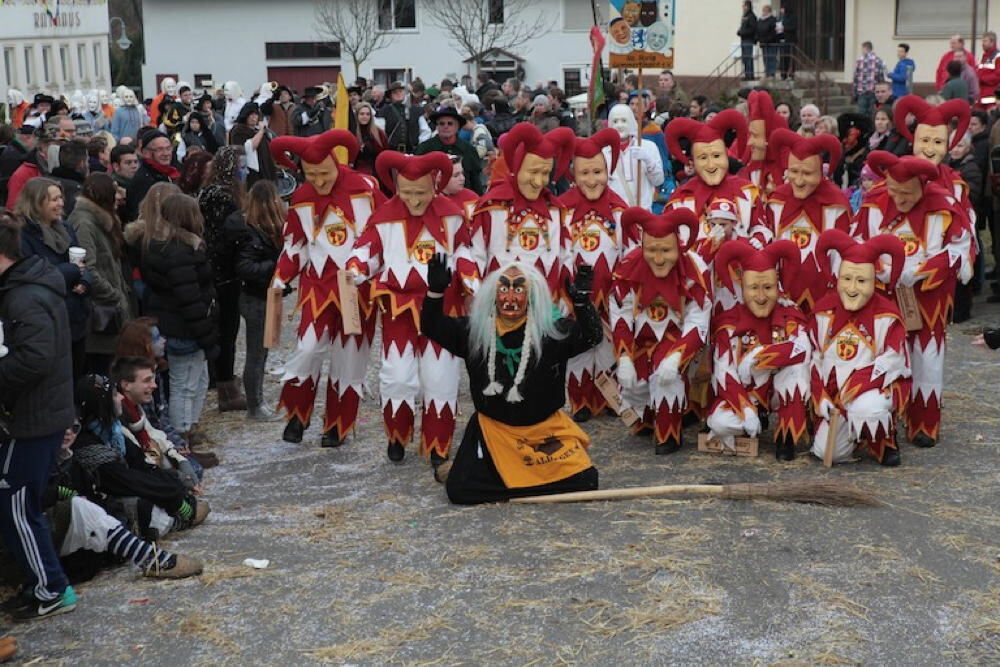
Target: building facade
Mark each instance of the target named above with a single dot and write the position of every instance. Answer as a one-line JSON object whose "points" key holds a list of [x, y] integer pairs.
{"points": [[57, 46]]}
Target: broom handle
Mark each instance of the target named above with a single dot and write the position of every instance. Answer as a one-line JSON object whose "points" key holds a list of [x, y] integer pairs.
{"points": [[619, 494]]}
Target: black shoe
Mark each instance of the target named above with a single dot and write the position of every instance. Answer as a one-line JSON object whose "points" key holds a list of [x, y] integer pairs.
{"points": [[395, 452], [924, 441], [65, 603], [890, 458], [437, 459], [331, 438], [294, 431], [23, 598], [784, 449], [689, 419], [762, 416], [668, 447], [582, 415]]}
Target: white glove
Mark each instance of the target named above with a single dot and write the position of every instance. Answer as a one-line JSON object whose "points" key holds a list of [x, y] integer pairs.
{"points": [[627, 377], [717, 233], [909, 275], [756, 243], [746, 367], [359, 279], [825, 409], [636, 154], [3, 348], [669, 369], [277, 283], [751, 422]]}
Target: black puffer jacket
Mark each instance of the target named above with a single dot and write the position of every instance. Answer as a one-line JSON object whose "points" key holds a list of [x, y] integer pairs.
{"points": [[36, 376], [180, 292], [256, 256]]}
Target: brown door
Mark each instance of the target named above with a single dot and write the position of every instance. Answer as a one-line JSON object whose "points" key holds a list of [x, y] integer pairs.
{"points": [[300, 78], [825, 19]]}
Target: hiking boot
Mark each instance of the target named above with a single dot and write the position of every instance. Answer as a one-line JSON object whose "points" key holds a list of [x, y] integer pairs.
{"points": [[924, 441], [231, 396], [23, 598], [395, 452], [262, 413], [890, 458], [294, 430], [201, 512], [669, 447], [784, 449], [437, 459], [178, 567], [331, 438], [64, 604], [206, 459], [582, 415]]}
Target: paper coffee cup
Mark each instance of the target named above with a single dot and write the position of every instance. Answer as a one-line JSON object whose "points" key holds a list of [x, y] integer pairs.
{"points": [[77, 255]]}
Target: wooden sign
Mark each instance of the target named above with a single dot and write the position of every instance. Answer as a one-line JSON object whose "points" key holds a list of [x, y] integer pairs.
{"points": [[907, 302], [641, 34], [742, 446], [349, 302], [609, 389], [272, 318]]}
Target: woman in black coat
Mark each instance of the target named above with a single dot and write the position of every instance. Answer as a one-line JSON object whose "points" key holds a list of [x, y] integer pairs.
{"points": [[257, 238], [180, 294], [46, 235]]}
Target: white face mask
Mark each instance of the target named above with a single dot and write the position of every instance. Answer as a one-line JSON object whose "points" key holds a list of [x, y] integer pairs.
{"points": [[92, 103], [128, 98], [169, 86], [620, 119]]}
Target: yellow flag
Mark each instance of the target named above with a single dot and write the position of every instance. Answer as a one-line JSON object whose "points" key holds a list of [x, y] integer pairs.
{"points": [[342, 119]]}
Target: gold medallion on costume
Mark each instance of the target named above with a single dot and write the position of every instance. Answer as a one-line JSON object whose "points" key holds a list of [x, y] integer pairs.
{"points": [[657, 311], [528, 238], [910, 243], [590, 239], [423, 251], [847, 345], [801, 235], [336, 233]]}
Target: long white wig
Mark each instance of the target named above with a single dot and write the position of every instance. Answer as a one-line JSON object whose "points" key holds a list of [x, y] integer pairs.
{"points": [[540, 324]]}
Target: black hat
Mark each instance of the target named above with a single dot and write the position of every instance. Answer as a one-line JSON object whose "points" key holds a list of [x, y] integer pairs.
{"points": [[312, 91], [396, 85], [447, 112], [246, 110], [42, 98], [26, 129], [355, 89], [146, 138]]}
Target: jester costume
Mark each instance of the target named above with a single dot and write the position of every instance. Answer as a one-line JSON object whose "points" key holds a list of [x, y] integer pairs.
{"points": [[393, 252], [659, 323], [762, 160], [760, 360], [936, 245], [319, 234]]}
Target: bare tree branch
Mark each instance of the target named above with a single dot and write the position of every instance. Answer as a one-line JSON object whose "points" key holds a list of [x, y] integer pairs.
{"points": [[467, 23], [353, 24]]}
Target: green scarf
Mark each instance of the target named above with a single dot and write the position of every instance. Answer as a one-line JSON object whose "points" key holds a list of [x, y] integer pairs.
{"points": [[511, 356]]}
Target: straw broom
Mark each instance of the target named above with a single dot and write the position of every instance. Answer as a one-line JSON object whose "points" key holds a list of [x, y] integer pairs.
{"points": [[816, 492]]}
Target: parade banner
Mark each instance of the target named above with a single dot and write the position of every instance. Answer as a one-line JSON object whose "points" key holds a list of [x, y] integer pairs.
{"points": [[641, 34]]}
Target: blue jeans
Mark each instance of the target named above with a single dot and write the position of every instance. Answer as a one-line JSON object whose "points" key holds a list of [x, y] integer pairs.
{"points": [[866, 104], [770, 59], [25, 465], [188, 388], [746, 49]]}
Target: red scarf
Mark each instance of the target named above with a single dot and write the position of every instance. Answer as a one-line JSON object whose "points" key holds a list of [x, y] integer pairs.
{"points": [[134, 419], [169, 171]]}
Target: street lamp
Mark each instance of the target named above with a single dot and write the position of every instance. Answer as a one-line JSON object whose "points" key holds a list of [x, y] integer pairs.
{"points": [[123, 41]]}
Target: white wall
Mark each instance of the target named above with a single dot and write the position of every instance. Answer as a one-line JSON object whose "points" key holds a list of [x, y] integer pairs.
{"points": [[25, 35], [177, 42]]}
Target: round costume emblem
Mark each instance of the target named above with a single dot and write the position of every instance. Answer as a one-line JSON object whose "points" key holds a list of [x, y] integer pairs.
{"points": [[847, 345], [910, 243], [590, 240], [336, 233], [528, 238], [423, 251], [801, 236], [657, 311]]}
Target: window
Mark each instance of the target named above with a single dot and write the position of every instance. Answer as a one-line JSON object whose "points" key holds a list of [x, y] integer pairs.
{"points": [[386, 76], [202, 80], [496, 11], [98, 62], [396, 14], [47, 64], [29, 65], [67, 72], [291, 50], [81, 61], [933, 18], [577, 15], [10, 65], [572, 83]]}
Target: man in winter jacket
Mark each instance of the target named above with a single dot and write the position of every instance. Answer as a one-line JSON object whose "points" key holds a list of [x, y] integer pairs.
{"points": [[36, 164], [155, 167], [13, 154], [71, 171], [902, 74], [36, 408]]}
